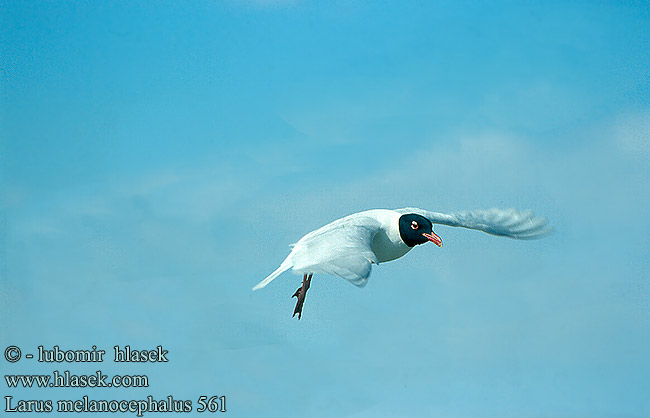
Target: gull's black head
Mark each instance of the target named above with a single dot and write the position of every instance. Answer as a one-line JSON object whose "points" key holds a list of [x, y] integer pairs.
{"points": [[416, 229]]}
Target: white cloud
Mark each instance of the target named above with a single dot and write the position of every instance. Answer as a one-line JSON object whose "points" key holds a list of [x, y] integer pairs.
{"points": [[632, 133]]}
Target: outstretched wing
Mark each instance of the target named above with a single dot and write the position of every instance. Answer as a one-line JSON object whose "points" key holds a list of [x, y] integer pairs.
{"points": [[341, 248], [503, 222]]}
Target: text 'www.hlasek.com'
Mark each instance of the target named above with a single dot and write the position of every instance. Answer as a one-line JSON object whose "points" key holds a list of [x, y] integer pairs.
{"points": [[64, 378]]}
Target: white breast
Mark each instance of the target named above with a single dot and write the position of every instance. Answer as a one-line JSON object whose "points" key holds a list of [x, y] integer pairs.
{"points": [[387, 244]]}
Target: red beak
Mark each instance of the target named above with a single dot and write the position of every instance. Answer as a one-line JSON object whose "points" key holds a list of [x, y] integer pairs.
{"points": [[433, 238]]}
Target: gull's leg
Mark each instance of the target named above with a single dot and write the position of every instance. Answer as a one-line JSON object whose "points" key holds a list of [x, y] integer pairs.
{"points": [[300, 294], [297, 294]]}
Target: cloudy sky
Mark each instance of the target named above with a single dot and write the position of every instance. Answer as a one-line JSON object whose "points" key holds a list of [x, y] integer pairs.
{"points": [[158, 158]]}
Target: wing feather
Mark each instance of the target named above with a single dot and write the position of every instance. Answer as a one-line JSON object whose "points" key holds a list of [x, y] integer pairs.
{"points": [[503, 222], [341, 248]]}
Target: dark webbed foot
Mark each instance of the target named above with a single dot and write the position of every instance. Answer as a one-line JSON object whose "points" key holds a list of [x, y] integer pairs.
{"points": [[300, 294]]}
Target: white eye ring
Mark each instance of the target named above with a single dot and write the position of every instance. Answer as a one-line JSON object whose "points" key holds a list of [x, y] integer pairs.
{"points": [[414, 225]]}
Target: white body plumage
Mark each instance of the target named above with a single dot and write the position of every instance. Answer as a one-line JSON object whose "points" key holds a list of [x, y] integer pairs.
{"points": [[347, 247]]}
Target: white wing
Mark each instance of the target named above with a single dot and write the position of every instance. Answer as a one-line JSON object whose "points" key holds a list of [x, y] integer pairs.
{"points": [[504, 222], [341, 248]]}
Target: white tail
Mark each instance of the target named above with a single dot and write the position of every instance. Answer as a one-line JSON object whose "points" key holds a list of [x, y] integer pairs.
{"points": [[286, 265]]}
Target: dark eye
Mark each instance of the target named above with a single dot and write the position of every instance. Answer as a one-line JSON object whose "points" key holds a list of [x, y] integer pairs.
{"points": [[414, 225]]}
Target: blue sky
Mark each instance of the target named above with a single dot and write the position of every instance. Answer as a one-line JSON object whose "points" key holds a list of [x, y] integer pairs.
{"points": [[158, 158]]}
